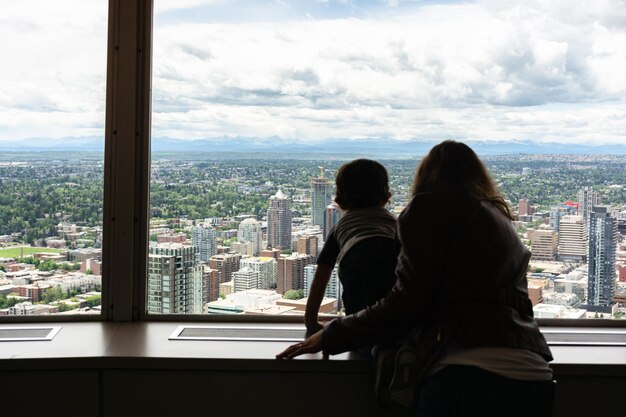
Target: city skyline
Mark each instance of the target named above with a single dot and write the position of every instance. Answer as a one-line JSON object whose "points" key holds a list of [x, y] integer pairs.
{"points": [[550, 200]]}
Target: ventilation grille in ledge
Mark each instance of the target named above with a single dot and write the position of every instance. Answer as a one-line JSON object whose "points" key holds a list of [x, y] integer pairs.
{"points": [[265, 334], [23, 334], [293, 334], [585, 337]]}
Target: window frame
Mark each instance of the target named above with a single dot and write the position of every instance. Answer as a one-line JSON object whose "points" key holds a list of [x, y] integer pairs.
{"points": [[126, 203]]}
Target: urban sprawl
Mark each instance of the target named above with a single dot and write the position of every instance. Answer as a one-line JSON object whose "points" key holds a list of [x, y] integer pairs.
{"points": [[241, 236]]}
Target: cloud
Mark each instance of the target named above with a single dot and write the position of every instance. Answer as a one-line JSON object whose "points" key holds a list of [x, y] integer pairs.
{"points": [[493, 69], [52, 81]]}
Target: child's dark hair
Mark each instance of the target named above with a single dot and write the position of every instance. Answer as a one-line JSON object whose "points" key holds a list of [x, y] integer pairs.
{"points": [[362, 183]]}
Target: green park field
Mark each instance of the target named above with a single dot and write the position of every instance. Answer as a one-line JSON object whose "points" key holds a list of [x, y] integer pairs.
{"points": [[17, 251]]}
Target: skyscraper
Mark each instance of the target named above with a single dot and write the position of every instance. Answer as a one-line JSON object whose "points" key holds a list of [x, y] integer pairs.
{"points": [[279, 221], [332, 214], [573, 239], [587, 199], [291, 272], [321, 196], [544, 244], [557, 213], [205, 239], [307, 245], [174, 279], [333, 288], [524, 207], [602, 248], [250, 231], [226, 264], [210, 284]]}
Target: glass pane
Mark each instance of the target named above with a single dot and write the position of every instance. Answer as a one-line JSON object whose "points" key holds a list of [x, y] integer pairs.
{"points": [[257, 104], [52, 105]]}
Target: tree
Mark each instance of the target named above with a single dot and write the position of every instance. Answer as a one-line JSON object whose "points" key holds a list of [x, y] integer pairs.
{"points": [[6, 302], [48, 265], [293, 294], [53, 294], [66, 307], [94, 300]]}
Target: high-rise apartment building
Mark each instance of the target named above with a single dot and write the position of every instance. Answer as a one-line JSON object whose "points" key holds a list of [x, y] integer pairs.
{"points": [[321, 197], [246, 279], [174, 279], [333, 289], [544, 244], [205, 239], [266, 268], [279, 221], [271, 253], [557, 213], [573, 239], [250, 230], [587, 199], [291, 272], [307, 245], [210, 284], [332, 214], [226, 264], [602, 251], [524, 207], [242, 248]]}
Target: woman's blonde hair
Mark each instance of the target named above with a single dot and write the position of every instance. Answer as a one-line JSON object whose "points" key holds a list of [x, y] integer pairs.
{"points": [[453, 167]]}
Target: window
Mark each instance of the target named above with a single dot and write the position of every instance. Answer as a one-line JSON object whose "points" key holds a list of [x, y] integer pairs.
{"points": [[52, 114], [250, 101]]}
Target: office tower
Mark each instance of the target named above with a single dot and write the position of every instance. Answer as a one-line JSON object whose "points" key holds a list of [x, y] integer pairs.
{"points": [[266, 267], [226, 264], [573, 239], [210, 284], [332, 214], [587, 199], [250, 231], [291, 272], [205, 239], [602, 251], [544, 244], [333, 289], [307, 245], [174, 279], [321, 196], [245, 279], [524, 207], [279, 221]]}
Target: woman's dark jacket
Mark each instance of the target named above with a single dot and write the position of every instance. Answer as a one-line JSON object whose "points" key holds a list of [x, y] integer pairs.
{"points": [[461, 263]]}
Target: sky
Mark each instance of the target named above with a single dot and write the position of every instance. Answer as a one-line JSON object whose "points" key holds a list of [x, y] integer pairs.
{"points": [[505, 70]]}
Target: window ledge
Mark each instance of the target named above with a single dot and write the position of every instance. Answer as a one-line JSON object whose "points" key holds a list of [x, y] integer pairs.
{"points": [[145, 345]]}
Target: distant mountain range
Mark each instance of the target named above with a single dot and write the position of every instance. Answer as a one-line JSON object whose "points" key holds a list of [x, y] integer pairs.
{"points": [[384, 147]]}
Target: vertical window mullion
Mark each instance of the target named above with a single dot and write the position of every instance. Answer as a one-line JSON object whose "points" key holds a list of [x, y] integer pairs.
{"points": [[127, 156]]}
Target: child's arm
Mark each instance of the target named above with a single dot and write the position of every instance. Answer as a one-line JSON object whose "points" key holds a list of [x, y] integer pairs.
{"points": [[316, 294]]}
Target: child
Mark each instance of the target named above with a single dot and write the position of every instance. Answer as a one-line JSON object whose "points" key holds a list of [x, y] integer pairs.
{"points": [[362, 242]]}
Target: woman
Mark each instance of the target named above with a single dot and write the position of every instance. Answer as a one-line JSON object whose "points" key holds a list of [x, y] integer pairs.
{"points": [[458, 246]]}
